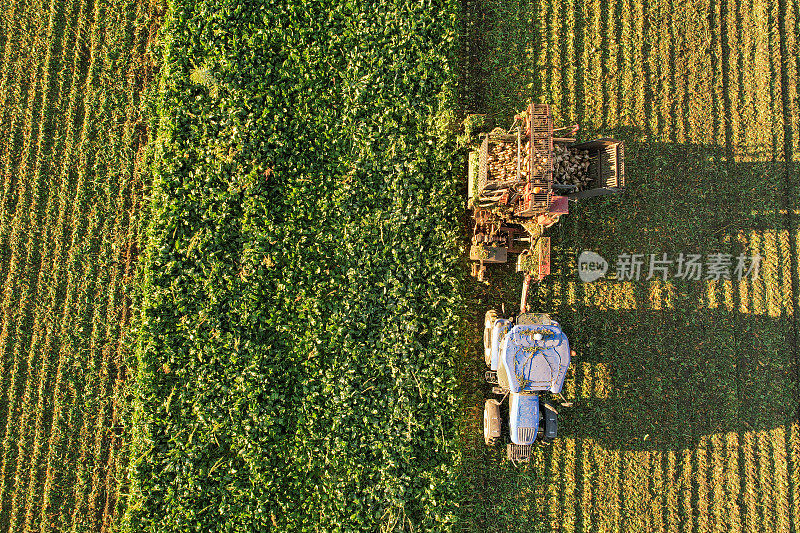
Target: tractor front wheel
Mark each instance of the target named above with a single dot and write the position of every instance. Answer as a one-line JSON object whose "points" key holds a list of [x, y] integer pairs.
{"points": [[488, 324], [491, 422]]}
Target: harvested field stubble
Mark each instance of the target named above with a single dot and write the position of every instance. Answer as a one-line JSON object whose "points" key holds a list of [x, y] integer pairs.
{"points": [[695, 427]]}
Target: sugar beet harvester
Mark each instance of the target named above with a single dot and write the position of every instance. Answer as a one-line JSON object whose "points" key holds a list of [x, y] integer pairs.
{"points": [[520, 183]]}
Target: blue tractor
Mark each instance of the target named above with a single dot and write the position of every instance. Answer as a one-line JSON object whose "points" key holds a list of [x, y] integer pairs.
{"points": [[520, 183], [528, 357]]}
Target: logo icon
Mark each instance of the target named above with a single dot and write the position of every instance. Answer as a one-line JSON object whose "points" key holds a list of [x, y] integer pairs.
{"points": [[591, 266]]}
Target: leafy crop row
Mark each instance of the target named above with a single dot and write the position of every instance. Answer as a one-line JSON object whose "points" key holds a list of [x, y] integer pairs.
{"points": [[299, 301]]}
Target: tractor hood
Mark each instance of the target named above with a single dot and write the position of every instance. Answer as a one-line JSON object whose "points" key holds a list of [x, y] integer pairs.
{"points": [[523, 418]]}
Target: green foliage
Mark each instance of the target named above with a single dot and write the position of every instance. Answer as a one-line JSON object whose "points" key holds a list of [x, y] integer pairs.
{"points": [[297, 337]]}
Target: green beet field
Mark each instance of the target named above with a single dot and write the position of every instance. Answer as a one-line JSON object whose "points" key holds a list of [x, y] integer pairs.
{"points": [[236, 288]]}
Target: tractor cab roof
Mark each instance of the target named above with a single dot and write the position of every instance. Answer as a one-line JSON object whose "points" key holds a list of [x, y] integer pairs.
{"points": [[536, 357]]}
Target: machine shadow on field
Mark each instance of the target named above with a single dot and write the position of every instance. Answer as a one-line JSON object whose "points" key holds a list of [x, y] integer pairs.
{"points": [[662, 380], [663, 363]]}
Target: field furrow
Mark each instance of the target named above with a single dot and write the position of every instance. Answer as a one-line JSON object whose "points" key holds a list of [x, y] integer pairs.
{"points": [[58, 504], [25, 246], [63, 295], [794, 32], [66, 412], [554, 493], [25, 439], [780, 488], [607, 55], [84, 406], [567, 49], [655, 486], [684, 392], [640, 48], [42, 209], [669, 497], [11, 41], [718, 519], [748, 497], [661, 65], [587, 65], [550, 29], [624, 79], [15, 111], [732, 482], [670, 80], [71, 75], [569, 494], [684, 488], [45, 406], [774, 122], [42, 428], [792, 433], [101, 366], [765, 482], [743, 98]]}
